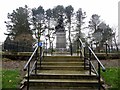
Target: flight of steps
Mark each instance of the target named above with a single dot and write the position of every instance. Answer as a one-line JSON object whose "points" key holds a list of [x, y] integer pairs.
{"points": [[62, 73]]}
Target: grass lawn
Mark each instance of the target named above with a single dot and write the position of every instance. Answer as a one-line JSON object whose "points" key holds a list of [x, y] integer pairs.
{"points": [[10, 79], [112, 77]]}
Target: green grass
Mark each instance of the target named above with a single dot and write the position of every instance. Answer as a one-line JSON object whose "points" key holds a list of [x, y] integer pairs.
{"points": [[10, 79], [112, 77]]}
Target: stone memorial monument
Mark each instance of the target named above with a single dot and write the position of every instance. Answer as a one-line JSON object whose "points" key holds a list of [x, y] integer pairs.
{"points": [[60, 34]]}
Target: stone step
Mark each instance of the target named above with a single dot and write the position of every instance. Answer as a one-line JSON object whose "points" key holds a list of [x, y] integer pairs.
{"points": [[63, 88], [66, 58], [62, 63], [62, 72], [63, 83], [61, 56], [68, 84], [56, 67], [56, 76], [62, 60]]}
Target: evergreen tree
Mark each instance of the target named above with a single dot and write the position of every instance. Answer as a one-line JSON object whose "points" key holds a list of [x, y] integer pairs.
{"points": [[18, 22], [18, 28]]}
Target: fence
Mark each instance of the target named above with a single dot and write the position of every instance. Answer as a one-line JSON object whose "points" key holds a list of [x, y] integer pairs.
{"points": [[17, 46]]}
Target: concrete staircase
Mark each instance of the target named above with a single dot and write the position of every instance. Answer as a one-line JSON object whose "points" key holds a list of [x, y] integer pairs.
{"points": [[62, 73]]}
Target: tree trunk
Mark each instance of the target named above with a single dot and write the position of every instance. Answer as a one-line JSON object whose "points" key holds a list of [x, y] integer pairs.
{"points": [[116, 44], [70, 39], [49, 33]]}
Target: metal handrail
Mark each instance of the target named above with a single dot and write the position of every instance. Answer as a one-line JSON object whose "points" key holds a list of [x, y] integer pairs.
{"points": [[27, 65], [103, 68], [81, 42], [91, 66], [30, 59]]}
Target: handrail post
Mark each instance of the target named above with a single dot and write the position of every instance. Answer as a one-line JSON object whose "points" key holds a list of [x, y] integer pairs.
{"points": [[28, 76], [91, 46], [80, 49], [89, 62], [99, 86], [46, 47], [77, 48], [52, 48], [36, 55], [40, 55], [109, 48], [39, 49], [84, 59], [71, 52], [17, 47], [106, 48]]}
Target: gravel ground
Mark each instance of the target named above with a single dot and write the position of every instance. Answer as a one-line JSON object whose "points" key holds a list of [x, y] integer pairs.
{"points": [[14, 64], [109, 63]]}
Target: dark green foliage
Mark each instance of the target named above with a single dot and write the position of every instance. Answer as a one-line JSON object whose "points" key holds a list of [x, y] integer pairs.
{"points": [[69, 12], [49, 13], [38, 15], [19, 22], [59, 9], [19, 30], [38, 11]]}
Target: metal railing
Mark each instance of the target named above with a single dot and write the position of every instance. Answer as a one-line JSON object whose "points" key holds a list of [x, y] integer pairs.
{"points": [[28, 67], [88, 56], [36, 55]]}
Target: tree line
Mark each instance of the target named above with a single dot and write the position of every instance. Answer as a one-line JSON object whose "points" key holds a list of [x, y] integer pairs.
{"points": [[24, 23]]}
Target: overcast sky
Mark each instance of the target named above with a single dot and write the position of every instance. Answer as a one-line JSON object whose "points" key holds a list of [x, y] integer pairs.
{"points": [[107, 9]]}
